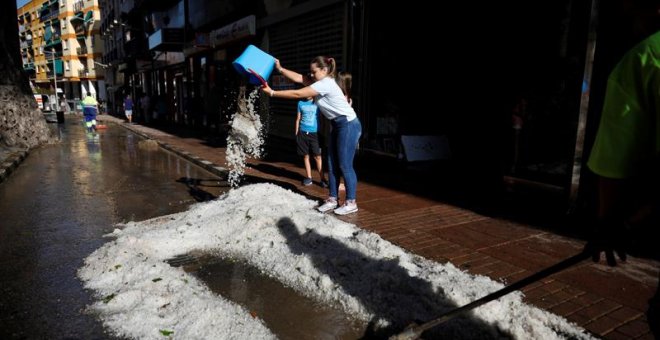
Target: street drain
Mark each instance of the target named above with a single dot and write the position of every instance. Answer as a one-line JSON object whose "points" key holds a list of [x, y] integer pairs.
{"points": [[287, 313], [183, 260]]}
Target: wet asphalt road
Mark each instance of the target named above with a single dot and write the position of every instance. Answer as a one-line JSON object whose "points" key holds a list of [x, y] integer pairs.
{"points": [[55, 209]]}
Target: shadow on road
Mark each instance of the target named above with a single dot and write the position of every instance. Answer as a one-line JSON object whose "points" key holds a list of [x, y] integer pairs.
{"points": [[383, 287], [195, 187]]}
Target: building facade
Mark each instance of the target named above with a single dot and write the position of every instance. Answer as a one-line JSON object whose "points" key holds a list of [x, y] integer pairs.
{"points": [[60, 44], [515, 95]]}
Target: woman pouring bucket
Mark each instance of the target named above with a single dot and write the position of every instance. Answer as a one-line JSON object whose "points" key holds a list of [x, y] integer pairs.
{"points": [[328, 96]]}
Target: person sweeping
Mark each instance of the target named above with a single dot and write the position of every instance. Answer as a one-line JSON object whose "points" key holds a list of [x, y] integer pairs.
{"points": [[90, 107]]}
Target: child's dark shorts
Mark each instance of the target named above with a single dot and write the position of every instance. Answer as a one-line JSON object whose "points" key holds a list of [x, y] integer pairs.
{"points": [[308, 143]]}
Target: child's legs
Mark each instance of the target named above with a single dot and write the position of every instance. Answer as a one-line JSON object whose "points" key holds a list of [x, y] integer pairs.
{"points": [[308, 167], [315, 149], [319, 166], [303, 150]]}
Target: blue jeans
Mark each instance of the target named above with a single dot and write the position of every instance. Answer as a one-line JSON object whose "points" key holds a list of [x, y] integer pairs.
{"points": [[344, 139]]}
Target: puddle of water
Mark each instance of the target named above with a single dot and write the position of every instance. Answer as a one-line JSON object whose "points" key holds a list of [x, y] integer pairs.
{"points": [[288, 314]]}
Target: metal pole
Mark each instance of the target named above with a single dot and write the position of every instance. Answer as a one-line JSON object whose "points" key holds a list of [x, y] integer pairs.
{"points": [[52, 51], [584, 104]]}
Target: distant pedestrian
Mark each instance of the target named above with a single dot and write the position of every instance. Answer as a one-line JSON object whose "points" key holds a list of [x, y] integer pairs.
{"points": [[308, 140], [128, 108], [346, 127], [90, 108], [64, 107]]}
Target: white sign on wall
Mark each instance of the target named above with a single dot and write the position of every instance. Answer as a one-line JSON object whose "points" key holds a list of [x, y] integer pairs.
{"points": [[234, 31]]}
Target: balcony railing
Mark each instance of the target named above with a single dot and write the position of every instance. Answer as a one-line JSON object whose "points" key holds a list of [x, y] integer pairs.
{"points": [[48, 15]]}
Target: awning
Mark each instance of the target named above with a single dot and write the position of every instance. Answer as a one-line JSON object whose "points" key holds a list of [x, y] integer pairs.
{"points": [[78, 16], [48, 34], [59, 67], [89, 16]]}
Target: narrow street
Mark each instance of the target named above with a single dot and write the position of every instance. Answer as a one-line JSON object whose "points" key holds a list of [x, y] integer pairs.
{"points": [[57, 206]]}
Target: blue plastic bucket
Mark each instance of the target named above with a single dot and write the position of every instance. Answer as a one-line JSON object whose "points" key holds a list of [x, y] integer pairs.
{"points": [[257, 60]]}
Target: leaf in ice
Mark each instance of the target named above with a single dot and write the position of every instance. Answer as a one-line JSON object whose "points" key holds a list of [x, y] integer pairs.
{"points": [[108, 298], [166, 332]]}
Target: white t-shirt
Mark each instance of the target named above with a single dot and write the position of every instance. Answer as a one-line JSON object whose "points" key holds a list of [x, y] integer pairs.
{"points": [[331, 100]]}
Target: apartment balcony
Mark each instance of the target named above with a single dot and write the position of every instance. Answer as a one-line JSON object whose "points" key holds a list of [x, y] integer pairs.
{"points": [[80, 30], [78, 6], [86, 72], [59, 69], [82, 22], [46, 13], [52, 43], [48, 55]]}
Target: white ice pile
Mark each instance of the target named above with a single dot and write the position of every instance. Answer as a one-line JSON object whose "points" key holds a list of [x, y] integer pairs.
{"points": [[279, 232]]}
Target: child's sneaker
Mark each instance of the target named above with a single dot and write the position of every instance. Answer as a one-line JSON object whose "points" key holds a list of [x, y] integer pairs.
{"points": [[347, 208], [328, 205], [307, 181], [324, 184]]}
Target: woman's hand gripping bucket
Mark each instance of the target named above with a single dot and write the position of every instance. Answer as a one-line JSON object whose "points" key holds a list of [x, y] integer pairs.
{"points": [[255, 64]]}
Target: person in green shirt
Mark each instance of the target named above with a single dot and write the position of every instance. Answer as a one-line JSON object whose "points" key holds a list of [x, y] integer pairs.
{"points": [[626, 151]]}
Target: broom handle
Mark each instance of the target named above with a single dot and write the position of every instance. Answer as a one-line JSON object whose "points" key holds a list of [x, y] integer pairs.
{"points": [[416, 332]]}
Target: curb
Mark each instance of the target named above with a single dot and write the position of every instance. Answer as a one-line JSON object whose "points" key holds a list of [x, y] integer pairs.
{"points": [[11, 162], [205, 164]]}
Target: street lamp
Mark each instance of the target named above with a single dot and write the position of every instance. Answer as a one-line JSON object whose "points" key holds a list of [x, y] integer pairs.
{"points": [[52, 53]]}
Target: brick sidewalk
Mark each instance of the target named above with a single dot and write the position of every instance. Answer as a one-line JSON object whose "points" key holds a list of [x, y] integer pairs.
{"points": [[611, 303]]}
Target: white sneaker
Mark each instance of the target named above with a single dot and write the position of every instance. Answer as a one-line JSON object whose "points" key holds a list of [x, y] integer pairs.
{"points": [[327, 205], [346, 209]]}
